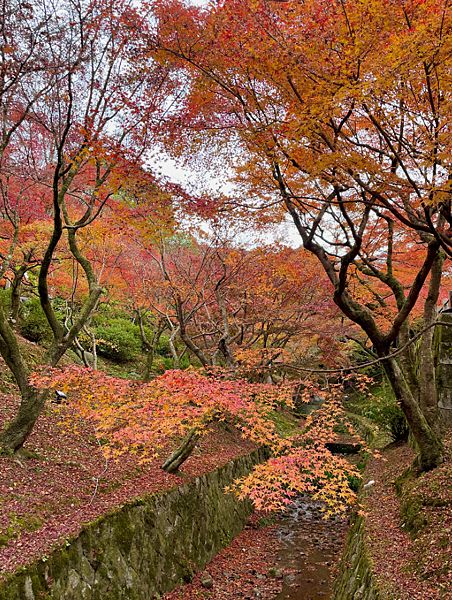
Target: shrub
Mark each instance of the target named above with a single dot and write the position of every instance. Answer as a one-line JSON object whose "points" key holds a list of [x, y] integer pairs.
{"points": [[388, 415], [118, 339], [34, 325], [5, 299]]}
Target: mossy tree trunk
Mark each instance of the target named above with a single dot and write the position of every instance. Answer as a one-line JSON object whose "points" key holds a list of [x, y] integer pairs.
{"points": [[413, 387], [428, 393], [180, 455], [16, 286], [15, 434], [431, 449]]}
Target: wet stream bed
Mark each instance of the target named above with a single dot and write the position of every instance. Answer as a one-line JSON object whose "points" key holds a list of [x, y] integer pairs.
{"points": [[295, 558], [309, 550]]}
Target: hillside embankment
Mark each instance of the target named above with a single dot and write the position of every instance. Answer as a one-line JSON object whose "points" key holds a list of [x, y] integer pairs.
{"points": [[145, 548], [403, 532]]}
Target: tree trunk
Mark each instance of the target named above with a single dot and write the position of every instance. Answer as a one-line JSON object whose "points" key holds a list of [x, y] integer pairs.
{"points": [[149, 363], [15, 295], [431, 449], [158, 329], [179, 456], [16, 433], [14, 436], [428, 394]]}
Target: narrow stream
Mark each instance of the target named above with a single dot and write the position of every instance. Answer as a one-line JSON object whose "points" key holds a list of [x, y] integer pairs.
{"points": [[310, 545]]}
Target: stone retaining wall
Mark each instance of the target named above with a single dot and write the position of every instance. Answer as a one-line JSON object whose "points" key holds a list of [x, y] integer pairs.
{"points": [[148, 547], [443, 361], [355, 580]]}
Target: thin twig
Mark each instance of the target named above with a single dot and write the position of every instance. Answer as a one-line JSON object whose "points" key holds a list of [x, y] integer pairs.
{"points": [[96, 479]]}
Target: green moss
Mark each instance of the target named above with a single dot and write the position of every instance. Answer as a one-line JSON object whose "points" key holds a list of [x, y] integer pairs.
{"points": [[60, 562], [97, 595], [402, 481], [27, 523], [149, 519], [187, 571], [266, 521], [39, 586], [124, 531], [355, 571], [107, 489], [285, 423], [436, 502], [414, 497], [25, 454], [413, 516], [6, 536], [444, 334], [31, 523]]}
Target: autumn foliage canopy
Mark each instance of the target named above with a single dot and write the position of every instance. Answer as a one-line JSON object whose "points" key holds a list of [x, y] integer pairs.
{"points": [[142, 418], [334, 115]]}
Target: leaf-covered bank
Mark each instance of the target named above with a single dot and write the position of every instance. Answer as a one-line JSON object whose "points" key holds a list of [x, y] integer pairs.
{"points": [[68, 483], [145, 548], [408, 536]]}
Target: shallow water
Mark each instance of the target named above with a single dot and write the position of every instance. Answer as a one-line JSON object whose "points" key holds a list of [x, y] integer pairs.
{"points": [[310, 545]]}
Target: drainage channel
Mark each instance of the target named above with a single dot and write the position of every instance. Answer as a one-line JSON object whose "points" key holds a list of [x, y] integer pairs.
{"points": [[309, 548]]}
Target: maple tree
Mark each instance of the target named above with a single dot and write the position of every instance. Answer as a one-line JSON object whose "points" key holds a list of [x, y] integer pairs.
{"points": [[142, 417], [339, 116], [230, 305], [78, 111]]}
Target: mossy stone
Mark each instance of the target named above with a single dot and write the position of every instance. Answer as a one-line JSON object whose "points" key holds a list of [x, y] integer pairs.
{"points": [[445, 333], [124, 531], [355, 571]]}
